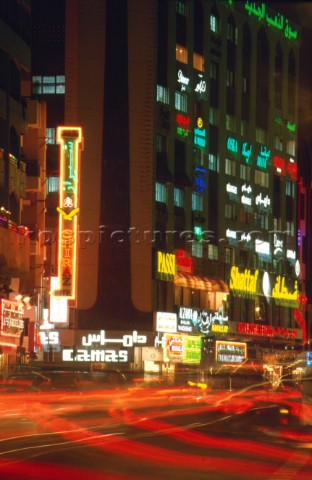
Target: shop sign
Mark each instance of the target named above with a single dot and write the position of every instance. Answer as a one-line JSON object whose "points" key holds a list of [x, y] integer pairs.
{"points": [[173, 348], [263, 157], [166, 322], [262, 247], [91, 348], [181, 348], [12, 322], [246, 151], [183, 81], [230, 352], [192, 349], [184, 263], [266, 330], [278, 244], [263, 201], [283, 294], [192, 320], [165, 266], [244, 282]]}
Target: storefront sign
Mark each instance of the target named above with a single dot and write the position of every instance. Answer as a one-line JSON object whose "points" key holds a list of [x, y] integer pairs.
{"points": [[166, 322], [12, 322], [283, 294], [244, 282], [165, 266], [173, 348], [192, 349], [70, 143], [230, 352], [266, 330], [58, 312], [263, 157], [91, 348], [246, 151], [183, 80], [182, 348], [184, 263], [192, 320]]}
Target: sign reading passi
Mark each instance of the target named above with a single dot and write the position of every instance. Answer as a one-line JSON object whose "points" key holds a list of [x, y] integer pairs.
{"points": [[68, 209]]}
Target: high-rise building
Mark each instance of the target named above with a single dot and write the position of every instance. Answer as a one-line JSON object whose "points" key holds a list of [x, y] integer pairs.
{"points": [[187, 176]]}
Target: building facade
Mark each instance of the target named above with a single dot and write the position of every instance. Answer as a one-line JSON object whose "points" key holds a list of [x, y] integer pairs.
{"points": [[188, 176]]}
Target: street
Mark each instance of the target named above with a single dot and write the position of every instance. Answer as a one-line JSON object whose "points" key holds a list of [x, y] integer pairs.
{"points": [[156, 433]]}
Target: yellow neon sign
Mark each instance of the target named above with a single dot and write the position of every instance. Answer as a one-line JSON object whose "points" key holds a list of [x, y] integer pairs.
{"points": [[70, 140]]}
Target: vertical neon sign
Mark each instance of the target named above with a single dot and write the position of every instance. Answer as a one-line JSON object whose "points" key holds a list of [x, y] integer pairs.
{"points": [[69, 139]]}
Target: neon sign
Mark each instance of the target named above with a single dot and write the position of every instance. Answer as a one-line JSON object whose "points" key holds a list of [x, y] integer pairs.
{"points": [[244, 282], [183, 262], [183, 124], [232, 144], [200, 137], [166, 266], [70, 139], [263, 201], [246, 151], [98, 354], [263, 157], [184, 81], [278, 21], [230, 352], [199, 179], [282, 294], [12, 322], [265, 330]]}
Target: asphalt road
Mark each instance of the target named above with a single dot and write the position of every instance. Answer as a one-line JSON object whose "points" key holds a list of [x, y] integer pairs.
{"points": [[156, 433]]}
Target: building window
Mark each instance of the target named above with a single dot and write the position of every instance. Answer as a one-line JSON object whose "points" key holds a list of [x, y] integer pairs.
{"points": [[230, 123], [245, 172], [213, 252], [229, 78], [290, 188], [291, 147], [162, 94], [244, 128], [45, 85], [160, 143], [213, 116], [181, 102], [197, 202], [198, 62], [161, 192], [53, 184], [228, 255], [278, 143], [262, 178], [178, 197], [230, 167], [230, 211], [181, 54], [181, 7], [197, 249], [213, 162], [260, 135], [290, 228], [261, 220], [213, 23], [50, 136]]}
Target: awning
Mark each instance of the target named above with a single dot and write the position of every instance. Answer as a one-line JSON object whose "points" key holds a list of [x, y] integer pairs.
{"points": [[187, 280]]}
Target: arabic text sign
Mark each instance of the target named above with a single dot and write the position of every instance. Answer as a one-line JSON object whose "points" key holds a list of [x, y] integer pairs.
{"points": [[70, 144]]}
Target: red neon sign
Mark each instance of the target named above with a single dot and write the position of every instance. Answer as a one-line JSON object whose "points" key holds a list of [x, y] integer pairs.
{"points": [[183, 262]]}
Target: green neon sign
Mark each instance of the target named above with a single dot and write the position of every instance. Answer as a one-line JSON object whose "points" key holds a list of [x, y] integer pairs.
{"points": [[277, 21]]}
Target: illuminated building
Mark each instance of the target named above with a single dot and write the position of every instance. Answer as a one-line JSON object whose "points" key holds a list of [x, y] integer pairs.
{"points": [[188, 183]]}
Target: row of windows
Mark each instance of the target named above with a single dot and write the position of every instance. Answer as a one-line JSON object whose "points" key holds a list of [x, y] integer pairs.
{"points": [[181, 104], [47, 85], [261, 219]]}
